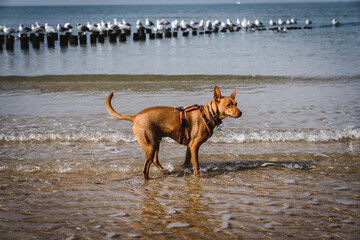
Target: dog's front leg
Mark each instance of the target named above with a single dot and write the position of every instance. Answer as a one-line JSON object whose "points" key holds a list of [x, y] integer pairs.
{"points": [[194, 150], [187, 157]]}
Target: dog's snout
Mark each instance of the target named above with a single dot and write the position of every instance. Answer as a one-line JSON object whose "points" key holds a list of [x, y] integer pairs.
{"points": [[240, 113]]}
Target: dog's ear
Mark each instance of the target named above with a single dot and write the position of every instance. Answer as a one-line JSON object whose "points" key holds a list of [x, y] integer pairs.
{"points": [[217, 94], [233, 94]]}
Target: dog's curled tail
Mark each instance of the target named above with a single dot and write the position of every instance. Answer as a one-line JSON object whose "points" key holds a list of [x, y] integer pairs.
{"points": [[113, 113]]}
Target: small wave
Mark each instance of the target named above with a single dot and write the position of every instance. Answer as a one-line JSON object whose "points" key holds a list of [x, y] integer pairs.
{"points": [[225, 136], [72, 136], [68, 167], [307, 135]]}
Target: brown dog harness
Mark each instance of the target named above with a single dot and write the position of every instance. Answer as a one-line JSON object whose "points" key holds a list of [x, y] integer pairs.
{"points": [[183, 111]]}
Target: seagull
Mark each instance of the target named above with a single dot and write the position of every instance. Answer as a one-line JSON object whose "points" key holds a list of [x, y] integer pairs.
{"points": [[184, 25], [126, 23], [175, 24], [224, 25], [216, 23], [39, 26], [82, 28], [308, 22], [158, 27], [280, 22], [244, 24], [250, 24], [49, 29], [148, 22], [91, 27], [23, 29], [208, 24], [139, 25], [61, 28], [293, 21], [36, 29], [193, 24], [258, 23], [164, 22], [112, 27], [201, 24], [101, 26], [288, 22], [125, 26], [335, 22], [68, 26], [230, 23], [272, 23], [9, 30]]}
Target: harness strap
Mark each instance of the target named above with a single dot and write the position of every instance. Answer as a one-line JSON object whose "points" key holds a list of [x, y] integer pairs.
{"points": [[182, 124], [182, 111], [213, 115], [207, 122]]}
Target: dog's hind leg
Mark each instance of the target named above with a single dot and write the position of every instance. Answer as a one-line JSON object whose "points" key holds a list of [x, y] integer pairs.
{"points": [[149, 155], [150, 147], [156, 158]]}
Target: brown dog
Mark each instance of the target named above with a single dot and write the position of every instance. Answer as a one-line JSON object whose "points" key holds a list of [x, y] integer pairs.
{"points": [[191, 126]]}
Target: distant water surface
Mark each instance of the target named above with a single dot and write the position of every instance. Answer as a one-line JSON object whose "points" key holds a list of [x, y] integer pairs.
{"points": [[322, 51]]}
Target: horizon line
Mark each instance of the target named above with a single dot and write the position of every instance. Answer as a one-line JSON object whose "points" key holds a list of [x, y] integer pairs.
{"points": [[156, 4]]}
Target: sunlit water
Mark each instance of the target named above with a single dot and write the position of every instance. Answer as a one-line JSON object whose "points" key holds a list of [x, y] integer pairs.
{"points": [[321, 51], [289, 167]]}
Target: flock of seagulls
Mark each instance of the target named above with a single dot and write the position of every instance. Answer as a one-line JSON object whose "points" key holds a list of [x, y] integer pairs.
{"points": [[159, 25]]}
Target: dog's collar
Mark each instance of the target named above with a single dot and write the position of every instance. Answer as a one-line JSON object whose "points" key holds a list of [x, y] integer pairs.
{"points": [[213, 115]]}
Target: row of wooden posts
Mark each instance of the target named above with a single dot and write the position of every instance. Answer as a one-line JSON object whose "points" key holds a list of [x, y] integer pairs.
{"points": [[97, 37]]}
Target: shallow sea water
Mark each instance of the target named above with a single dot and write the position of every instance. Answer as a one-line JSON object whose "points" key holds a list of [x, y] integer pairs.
{"points": [[288, 168], [248, 202]]}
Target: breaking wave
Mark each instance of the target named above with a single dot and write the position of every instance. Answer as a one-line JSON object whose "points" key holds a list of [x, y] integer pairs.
{"points": [[66, 137], [307, 135], [225, 136]]}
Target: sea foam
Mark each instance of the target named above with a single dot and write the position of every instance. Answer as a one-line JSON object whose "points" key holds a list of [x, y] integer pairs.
{"points": [[225, 136]]}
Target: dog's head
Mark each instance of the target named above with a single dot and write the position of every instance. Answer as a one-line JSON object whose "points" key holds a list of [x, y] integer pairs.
{"points": [[227, 106]]}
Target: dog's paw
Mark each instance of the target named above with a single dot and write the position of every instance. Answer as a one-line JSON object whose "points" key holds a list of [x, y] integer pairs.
{"points": [[165, 172]]}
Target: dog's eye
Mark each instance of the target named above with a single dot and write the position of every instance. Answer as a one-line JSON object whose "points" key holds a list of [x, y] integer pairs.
{"points": [[229, 105]]}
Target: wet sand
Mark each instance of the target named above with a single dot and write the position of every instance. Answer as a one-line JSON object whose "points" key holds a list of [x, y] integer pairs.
{"points": [[256, 199]]}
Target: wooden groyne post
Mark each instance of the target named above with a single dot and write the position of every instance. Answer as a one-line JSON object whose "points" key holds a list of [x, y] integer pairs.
{"points": [[36, 42], [122, 37], [112, 37], [142, 34], [168, 34], [50, 38], [2, 40], [83, 38], [74, 40], [10, 40], [101, 38], [24, 42], [64, 40]]}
